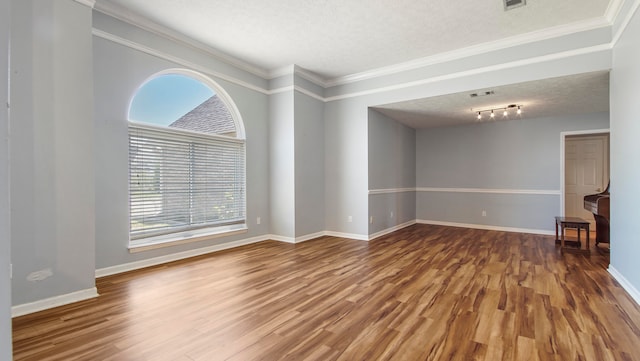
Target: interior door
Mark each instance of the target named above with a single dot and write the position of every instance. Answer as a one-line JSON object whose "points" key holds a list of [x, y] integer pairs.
{"points": [[586, 172]]}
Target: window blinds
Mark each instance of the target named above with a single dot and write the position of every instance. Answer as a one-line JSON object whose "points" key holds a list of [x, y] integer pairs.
{"points": [[179, 180]]}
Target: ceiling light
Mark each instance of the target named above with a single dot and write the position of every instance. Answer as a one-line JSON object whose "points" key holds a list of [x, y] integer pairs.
{"points": [[505, 111]]}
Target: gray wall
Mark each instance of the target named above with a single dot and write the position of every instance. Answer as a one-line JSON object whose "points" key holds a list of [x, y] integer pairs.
{"points": [[282, 164], [309, 165], [501, 155], [392, 167], [346, 112], [625, 153], [346, 175], [52, 179], [119, 71], [5, 231]]}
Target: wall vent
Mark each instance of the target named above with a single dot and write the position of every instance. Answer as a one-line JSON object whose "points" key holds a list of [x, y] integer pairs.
{"points": [[512, 4]]}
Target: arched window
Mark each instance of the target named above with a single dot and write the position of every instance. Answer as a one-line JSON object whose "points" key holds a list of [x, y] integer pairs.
{"points": [[186, 160]]}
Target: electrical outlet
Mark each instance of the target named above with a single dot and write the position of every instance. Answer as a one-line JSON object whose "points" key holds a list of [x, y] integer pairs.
{"points": [[258, 220], [484, 213], [349, 219], [391, 214], [371, 219]]}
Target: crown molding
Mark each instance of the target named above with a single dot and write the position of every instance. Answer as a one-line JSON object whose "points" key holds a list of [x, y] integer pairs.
{"points": [[127, 16], [89, 3], [523, 39], [162, 55], [625, 21], [613, 9], [476, 71]]}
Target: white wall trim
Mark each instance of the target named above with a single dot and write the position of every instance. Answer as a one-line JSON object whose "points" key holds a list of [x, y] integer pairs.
{"points": [[162, 55], [613, 9], [487, 227], [384, 232], [476, 71], [125, 15], [479, 49], [549, 192], [121, 14], [563, 138], [89, 3], [126, 267], [625, 22], [358, 237], [391, 190], [308, 237], [47, 303], [626, 285], [284, 239]]}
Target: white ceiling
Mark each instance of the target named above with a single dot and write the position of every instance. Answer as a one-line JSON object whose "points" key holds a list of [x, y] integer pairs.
{"points": [[575, 94], [338, 38]]}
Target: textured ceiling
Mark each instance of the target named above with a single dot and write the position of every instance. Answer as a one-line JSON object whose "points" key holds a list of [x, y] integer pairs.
{"points": [[575, 94], [335, 38]]}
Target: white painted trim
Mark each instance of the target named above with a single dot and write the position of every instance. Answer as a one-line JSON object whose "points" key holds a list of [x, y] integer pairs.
{"points": [[126, 267], [625, 22], [550, 192], [626, 285], [391, 190], [118, 12], [487, 227], [613, 9], [89, 3], [309, 93], [284, 239], [121, 14], [475, 50], [47, 303], [476, 71], [384, 232], [162, 55], [358, 237], [563, 138], [308, 237]]}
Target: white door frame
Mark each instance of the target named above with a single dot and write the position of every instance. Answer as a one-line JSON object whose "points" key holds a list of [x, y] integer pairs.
{"points": [[563, 137]]}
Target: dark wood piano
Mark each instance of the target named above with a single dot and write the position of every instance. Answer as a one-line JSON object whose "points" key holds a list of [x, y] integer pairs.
{"points": [[598, 204]]}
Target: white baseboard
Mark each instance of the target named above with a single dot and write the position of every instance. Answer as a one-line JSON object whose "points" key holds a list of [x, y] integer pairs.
{"points": [[278, 238], [358, 237], [309, 237], [108, 271], [632, 291], [391, 229], [47, 303], [488, 227]]}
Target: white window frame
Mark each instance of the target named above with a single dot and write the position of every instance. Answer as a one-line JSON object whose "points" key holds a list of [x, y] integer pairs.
{"points": [[196, 233]]}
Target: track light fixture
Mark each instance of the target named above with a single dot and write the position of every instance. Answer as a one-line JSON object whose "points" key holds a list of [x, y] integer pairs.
{"points": [[505, 111]]}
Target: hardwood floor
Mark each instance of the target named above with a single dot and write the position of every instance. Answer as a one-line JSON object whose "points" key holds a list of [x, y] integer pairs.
{"points": [[422, 293]]}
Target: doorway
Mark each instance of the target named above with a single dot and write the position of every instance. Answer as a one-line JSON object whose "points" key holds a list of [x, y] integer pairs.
{"points": [[585, 170]]}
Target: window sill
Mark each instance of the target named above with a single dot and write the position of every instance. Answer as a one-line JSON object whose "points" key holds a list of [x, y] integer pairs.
{"points": [[174, 239]]}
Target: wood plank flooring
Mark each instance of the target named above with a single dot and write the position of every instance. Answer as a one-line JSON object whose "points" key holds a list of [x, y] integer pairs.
{"points": [[422, 293]]}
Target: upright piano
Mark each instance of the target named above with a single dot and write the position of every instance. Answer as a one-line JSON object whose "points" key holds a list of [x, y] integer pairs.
{"points": [[598, 204]]}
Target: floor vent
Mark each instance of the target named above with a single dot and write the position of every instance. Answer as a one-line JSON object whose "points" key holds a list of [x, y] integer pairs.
{"points": [[512, 4]]}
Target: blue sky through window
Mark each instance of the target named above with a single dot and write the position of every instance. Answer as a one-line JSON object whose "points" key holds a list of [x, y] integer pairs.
{"points": [[165, 99]]}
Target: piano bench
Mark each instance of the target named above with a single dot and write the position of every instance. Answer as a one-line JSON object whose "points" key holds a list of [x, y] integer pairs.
{"points": [[577, 224]]}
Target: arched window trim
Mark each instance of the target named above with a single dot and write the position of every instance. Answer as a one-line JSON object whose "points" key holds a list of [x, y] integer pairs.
{"points": [[197, 234]]}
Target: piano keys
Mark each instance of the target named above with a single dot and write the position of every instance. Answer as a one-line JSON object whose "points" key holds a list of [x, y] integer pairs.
{"points": [[598, 204]]}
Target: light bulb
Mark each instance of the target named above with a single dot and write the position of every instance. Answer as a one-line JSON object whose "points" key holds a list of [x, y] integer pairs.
{"points": [[492, 115], [479, 116], [505, 113], [519, 110]]}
